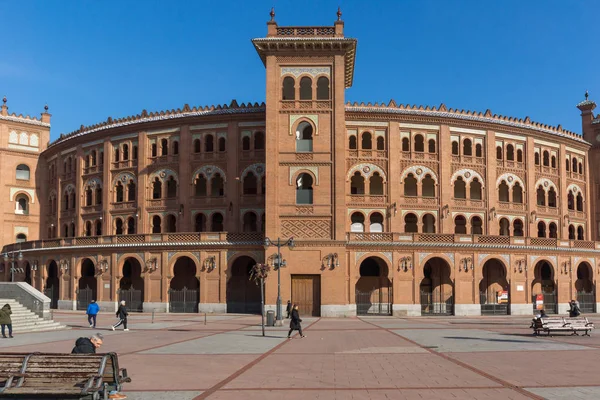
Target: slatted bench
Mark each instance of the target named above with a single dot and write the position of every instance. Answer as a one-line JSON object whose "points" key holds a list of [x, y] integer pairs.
{"points": [[60, 376], [562, 324]]}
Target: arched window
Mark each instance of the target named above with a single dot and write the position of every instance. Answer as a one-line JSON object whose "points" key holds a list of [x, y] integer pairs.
{"points": [[135, 152], [553, 161], [69, 164], [125, 152], [537, 158], [580, 235], [541, 196], [428, 186], [88, 228], [93, 161], [89, 195], [517, 193], [410, 185], [357, 184], [217, 186], [476, 226], [171, 187], [164, 147], [98, 195], [250, 185], [72, 200], [246, 143], [498, 152], [21, 237], [419, 143], [131, 188], [504, 227], [171, 224], [431, 146], [72, 230], [510, 152], [454, 148], [460, 188], [117, 155], [571, 232], [581, 168], [304, 189], [517, 227], [304, 137], [197, 146], [405, 144], [428, 223], [22, 204], [574, 160], [153, 150], [209, 144], [376, 220], [119, 192], [376, 184], [567, 165], [478, 151], [305, 88], [222, 144], [571, 200], [288, 89], [552, 230], [322, 88], [467, 147], [352, 142], [65, 230], [200, 222], [259, 141], [130, 226], [579, 202], [175, 147], [156, 224], [250, 222], [541, 229], [546, 158], [519, 155], [118, 226], [217, 222], [98, 224], [380, 143], [503, 192], [200, 185], [156, 188], [475, 189], [23, 172], [460, 225], [367, 141], [357, 221], [410, 223]]}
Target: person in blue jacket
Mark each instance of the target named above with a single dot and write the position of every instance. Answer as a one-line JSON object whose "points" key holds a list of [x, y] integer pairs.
{"points": [[92, 312]]}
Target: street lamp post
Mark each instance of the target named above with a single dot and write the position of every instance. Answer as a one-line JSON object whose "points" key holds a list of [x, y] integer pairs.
{"points": [[11, 258], [278, 263]]}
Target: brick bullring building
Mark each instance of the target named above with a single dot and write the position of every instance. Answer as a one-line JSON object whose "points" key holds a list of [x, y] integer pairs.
{"points": [[394, 209]]}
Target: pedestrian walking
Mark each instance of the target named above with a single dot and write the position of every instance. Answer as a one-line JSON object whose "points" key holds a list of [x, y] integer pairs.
{"points": [[295, 322], [574, 310], [122, 315], [288, 309], [92, 312], [6, 321]]}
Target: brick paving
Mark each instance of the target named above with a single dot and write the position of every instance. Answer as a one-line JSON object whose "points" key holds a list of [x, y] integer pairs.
{"points": [[179, 356]]}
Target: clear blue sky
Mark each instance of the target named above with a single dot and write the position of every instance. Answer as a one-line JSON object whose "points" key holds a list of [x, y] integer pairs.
{"points": [[93, 59]]}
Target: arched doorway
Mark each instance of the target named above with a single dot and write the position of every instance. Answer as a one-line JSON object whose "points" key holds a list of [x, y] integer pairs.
{"points": [[493, 289], [27, 272], [437, 288], [131, 285], [243, 294], [373, 288], [52, 284], [543, 285], [586, 290], [86, 291], [184, 289]]}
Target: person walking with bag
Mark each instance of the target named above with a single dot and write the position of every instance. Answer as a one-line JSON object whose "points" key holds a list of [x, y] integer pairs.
{"points": [[122, 315], [295, 322], [92, 312], [6, 321]]}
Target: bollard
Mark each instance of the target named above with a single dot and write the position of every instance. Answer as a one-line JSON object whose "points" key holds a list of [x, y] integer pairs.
{"points": [[204, 318], [152, 316]]}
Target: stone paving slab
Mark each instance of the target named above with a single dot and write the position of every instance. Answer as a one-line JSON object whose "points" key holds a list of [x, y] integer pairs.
{"points": [[474, 340], [179, 395], [571, 393], [420, 394], [341, 323]]}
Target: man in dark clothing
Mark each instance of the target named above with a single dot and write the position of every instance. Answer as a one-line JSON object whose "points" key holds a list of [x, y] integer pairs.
{"points": [[295, 322], [122, 315], [574, 310], [288, 309], [89, 345]]}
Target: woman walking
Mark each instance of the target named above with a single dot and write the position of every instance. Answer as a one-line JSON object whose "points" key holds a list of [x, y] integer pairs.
{"points": [[122, 315], [6, 321], [295, 322]]}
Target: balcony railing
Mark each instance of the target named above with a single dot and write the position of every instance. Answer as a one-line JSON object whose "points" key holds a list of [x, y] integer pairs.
{"points": [[306, 104], [366, 199]]}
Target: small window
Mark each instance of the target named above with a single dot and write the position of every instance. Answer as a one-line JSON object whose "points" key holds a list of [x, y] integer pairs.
{"points": [[306, 88], [380, 143], [467, 148], [499, 153], [175, 147], [519, 155], [405, 144], [323, 88], [352, 142], [23, 172], [209, 144], [478, 150], [259, 141], [431, 146], [246, 143], [304, 189], [125, 152], [419, 143], [197, 146], [288, 89], [21, 237], [510, 152], [454, 148], [222, 144]]}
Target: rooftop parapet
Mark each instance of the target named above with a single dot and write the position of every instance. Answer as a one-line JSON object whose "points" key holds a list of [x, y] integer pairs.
{"points": [[44, 120]]}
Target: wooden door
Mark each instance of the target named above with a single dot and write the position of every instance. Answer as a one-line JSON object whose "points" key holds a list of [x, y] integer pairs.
{"points": [[306, 293]]}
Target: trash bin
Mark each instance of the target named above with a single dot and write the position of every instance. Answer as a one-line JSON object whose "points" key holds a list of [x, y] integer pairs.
{"points": [[270, 318]]}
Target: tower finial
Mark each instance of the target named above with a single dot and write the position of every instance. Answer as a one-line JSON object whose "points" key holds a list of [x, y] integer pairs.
{"points": [[272, 14], [46, 107], [587, 95], [4, 100], [339, 14]]}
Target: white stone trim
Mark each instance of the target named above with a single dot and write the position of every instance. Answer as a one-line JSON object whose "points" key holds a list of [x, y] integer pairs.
{"points": [[545, 143], [159, 131], [572, 150], [467, 130], [15, 190], [367, 123], [511, 137]]}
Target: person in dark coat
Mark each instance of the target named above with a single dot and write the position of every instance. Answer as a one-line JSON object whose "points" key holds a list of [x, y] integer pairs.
{"points": [[92, 312], [295, 322], [122, 315], [89, 345], [288, 309], [574, 310], [6, 321]]}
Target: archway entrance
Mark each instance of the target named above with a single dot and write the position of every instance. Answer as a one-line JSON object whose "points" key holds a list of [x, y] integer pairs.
{"points": [[243, 294], [493, 289], [52, 284], [374, 288], [184, 289], [437, 288], [586, 290], [544, 286], [27, 272], [131, 285], [86, 291]]}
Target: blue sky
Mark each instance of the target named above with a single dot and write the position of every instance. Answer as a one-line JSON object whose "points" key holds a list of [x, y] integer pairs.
{"points": [[93, 59]]}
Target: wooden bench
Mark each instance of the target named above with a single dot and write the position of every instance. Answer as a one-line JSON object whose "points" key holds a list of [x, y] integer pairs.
{"points": [[60, 376], [562, 324]]}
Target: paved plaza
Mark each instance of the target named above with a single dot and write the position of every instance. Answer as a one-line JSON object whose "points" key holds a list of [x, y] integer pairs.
{"points": [[179, 356]]}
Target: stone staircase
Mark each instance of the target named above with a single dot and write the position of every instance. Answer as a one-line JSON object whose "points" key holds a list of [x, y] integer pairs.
{"points": [[24, 320]]}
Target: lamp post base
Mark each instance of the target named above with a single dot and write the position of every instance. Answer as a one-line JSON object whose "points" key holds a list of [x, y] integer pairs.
{"points": [[279, 322]]}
